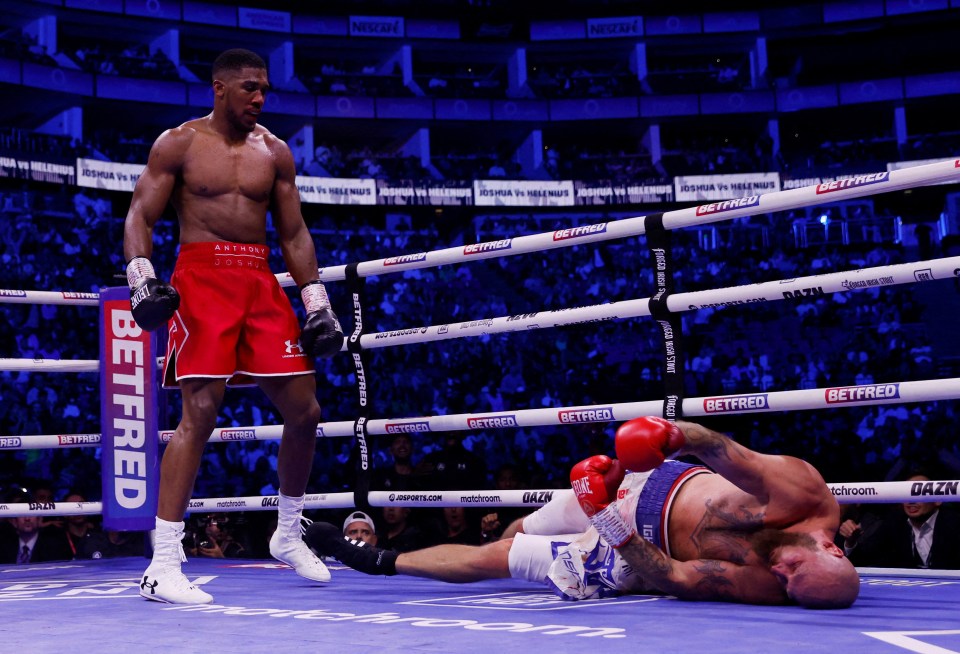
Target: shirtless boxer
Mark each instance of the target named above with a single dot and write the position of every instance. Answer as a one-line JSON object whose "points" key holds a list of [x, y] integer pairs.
{"points": [[757, 529], [228, 317]]}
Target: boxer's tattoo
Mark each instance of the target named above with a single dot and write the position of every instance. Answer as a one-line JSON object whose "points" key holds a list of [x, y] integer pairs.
{"points": [[724, 534], [711, 445], [647, 558], [712, 582], [714, 585], [715, 446]]}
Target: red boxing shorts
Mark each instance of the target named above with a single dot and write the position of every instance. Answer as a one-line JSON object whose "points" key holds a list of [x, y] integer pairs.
{"points": [[234, 321]]}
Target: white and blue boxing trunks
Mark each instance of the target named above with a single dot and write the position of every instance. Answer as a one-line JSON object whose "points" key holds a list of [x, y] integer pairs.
{"points": [[559, 545]]}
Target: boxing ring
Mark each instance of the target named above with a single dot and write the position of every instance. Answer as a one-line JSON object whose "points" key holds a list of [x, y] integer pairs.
{"points": [[259, 605], [93, 605]]}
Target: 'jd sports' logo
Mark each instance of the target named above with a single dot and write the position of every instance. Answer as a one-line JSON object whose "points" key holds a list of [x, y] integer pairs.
{"points": [[291, 345], [144, 585]]}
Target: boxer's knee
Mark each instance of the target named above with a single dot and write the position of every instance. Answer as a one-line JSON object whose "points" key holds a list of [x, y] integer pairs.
{"points": [[296, 400], [514, 528], [309, 414], [199, 418], [200, 404], [561, 515], [529, 557], [492, 559]]}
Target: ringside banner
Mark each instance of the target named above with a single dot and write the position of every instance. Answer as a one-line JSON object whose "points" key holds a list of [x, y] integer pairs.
{"points": [[333, 190], [37, 171], [508, 193], [590, 193], [414, 193], [93, 173], [695, 188], [128, 416]]}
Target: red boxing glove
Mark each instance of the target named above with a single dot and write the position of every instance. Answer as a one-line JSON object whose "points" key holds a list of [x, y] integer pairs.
{"points": [[643, 443], [595, 481]]}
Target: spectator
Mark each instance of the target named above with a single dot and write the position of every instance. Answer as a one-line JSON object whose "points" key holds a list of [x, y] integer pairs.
{"points": [[33, 544], [359, 526], [398, 533], [86, 540], [493, 524], [455, 527], [219, 536], [453, 467], [399, 475], [927, 537]]}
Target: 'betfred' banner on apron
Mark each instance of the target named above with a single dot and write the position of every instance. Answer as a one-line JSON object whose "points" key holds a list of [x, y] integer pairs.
{"points": [[128, 399]]}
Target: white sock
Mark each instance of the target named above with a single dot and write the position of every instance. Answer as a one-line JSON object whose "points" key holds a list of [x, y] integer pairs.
{"points": [[168, 529], [166, 545], [289, 510]]}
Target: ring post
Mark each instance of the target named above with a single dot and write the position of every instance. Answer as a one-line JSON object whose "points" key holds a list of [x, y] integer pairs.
{"points": [[128, 416]]}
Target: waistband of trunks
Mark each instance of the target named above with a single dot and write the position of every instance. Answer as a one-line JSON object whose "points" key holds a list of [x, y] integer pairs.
{"points": [[655, 499], [225, 255]]}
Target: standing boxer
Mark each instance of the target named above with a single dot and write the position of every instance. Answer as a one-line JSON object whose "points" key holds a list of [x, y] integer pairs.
{"points": [[227, 314], [759, 529]]}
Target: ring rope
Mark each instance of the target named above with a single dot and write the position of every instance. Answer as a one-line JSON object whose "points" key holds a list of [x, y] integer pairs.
{"points": [[49, 441], [854, 187], [852, 280], [40, 364], [759, 402], [50, 365], [16, 296], [836, 282], [882, 492], [929, 390]]}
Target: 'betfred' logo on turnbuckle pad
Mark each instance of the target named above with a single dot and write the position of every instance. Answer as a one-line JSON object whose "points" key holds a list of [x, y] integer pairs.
{"points": [[852, 182], [736, 403], [862, 393]]}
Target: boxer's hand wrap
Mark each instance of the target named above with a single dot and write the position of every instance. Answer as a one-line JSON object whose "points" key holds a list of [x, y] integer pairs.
{"points": [[321, 334], [612, 527], [152, 302]]}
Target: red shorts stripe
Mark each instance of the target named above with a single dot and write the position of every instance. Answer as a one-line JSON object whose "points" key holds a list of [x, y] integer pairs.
{"points": [[234, 320]]}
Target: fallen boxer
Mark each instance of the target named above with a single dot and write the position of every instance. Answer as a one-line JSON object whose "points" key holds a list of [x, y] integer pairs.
{"points": [[756, 529]]}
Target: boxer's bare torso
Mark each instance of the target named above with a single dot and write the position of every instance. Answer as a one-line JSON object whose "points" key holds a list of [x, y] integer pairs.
{"points": [[223, 187]]}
